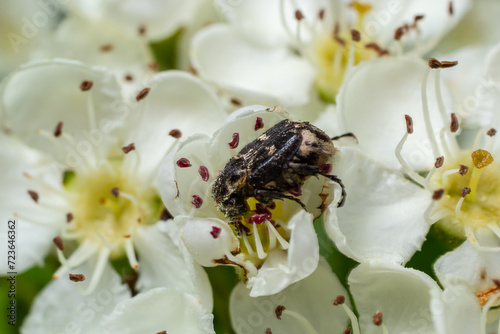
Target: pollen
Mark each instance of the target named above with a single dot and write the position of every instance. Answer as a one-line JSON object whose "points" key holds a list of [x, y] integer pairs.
{"points": [[469, 189], [106, 205]]}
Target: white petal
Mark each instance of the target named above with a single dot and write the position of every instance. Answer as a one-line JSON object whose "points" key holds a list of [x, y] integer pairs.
{"points": [[86, 40], [164, 264], [477, 268], [390, 88], [42, 94], [265, 22], [36, 225], [201, 243], [158, 310], [177, 100], [283, 268], [160, 18], [24, 23], [60, 307], [457, 308], [389, 15], [312, 298], [383, 216], [477, 28], [402, 295], [470, 86], [223, 57]]}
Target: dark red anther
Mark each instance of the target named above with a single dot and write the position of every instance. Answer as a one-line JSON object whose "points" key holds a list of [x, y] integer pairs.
{"points": [[142, 94], [197, 201], [183, 163], [236, 140], [325, 168], [77, 277], [295, 191], [58, 130], [298, 15], [204, 173], [215, 231], [258, 219], [259, 124]]}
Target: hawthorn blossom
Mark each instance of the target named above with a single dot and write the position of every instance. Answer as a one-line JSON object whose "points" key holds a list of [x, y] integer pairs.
{"points": [[275, 245], [82, 160], [307, 47], [451, 186], [388, 298]]}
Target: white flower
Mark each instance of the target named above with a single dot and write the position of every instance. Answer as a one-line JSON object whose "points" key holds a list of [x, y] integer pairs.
{"points": [[86, 170], [308, 307], [275, 245], [409, 301], [305, 46], [388, 298], [459, 187]]}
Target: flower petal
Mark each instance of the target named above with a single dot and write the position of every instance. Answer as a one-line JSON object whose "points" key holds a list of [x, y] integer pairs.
{"points": [[457, 308], [61, 307], [98, 43], [221, 56], [386, 16], [40, 95], [205, 246], [390, 89], [402, 295], [383, 216], [164, 264], [176, 101], [312, 298], [157, 310], [36, 224], [476, 267], [477, 28], [283, 268], [160, 19]]}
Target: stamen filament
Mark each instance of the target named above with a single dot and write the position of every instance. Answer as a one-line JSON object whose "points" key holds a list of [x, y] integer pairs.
{"points": [[458, 213], [102, 260], [428, 126], [130, 197], [303, 321], [484, 312], [129, 250], [271, 236], [411, 173], [352, 317], [247, 245], [471, 238], [444, 177], [80, 255], [474, 181], [444, 117], [284, 244], [258, 243]]}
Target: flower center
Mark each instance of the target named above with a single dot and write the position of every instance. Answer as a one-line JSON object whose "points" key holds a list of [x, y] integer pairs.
{"points": [[261, 230], [334, 54], [107, 206], [471, 197]]}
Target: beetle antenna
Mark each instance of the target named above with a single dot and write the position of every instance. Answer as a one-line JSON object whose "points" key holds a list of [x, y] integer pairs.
{"points": [[348, 134]]}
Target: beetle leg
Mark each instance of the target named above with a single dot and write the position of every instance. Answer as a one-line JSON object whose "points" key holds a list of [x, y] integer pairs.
{"points": [[314, 170], [277, 195], [348, 134]]}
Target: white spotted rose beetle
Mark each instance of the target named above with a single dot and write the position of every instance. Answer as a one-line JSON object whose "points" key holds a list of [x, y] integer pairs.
{"points": [[276, 163]]}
